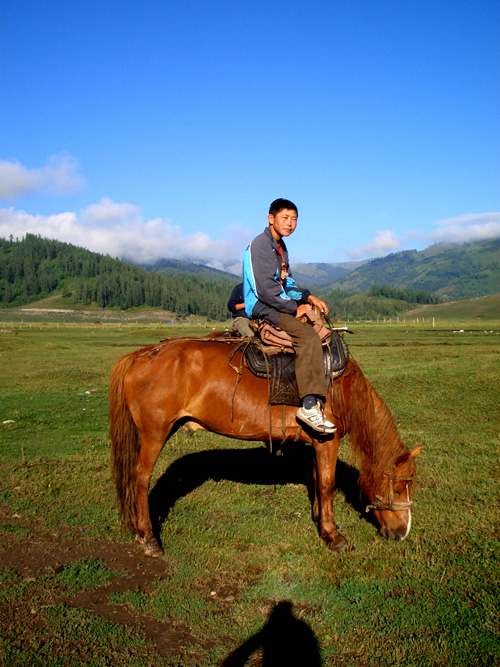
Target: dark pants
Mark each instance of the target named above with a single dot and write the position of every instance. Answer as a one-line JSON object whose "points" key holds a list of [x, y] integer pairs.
{"points": [[308, 356]]}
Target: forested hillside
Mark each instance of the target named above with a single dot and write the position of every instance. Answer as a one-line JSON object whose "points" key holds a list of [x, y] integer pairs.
{"points": [[174, 267], [451, 271], [34, 268], [317, 276], [381, 301]]}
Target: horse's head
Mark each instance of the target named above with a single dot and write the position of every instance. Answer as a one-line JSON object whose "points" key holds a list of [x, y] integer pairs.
{"points": [[392, 504]]}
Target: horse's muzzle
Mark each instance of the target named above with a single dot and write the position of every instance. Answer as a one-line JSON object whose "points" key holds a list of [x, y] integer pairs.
{"points": [[397, 532], [397, 535]]}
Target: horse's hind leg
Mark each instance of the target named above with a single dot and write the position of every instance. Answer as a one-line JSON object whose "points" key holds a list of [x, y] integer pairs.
{"points": [[148, 454], [324, 478]]}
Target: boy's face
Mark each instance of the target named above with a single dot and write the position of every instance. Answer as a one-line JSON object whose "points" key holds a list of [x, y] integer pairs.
{"points": [[283, 223]]}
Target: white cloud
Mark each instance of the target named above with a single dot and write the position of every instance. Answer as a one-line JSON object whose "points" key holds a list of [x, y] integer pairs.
{"points": [[462, 229], [121, 231], [384, 242], [107, 212], [59, 176], [18, 223], [16, 180], [470, 227]]}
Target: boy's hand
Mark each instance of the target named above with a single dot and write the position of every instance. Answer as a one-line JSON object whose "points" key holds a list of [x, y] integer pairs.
{"points": [[317, 303]]}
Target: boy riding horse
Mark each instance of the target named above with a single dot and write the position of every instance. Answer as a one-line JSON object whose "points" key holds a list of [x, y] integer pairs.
{"points": [[272, 296]]}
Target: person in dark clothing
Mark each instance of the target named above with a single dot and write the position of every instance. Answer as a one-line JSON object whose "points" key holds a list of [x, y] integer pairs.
{"points": [[236, 305], [271, 295]]}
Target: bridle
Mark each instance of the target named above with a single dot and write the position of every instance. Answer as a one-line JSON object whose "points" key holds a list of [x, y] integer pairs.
{"points": [[390, 503]]}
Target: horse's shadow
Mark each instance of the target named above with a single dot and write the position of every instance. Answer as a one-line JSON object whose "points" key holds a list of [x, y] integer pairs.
{"points": [[246, 466]]}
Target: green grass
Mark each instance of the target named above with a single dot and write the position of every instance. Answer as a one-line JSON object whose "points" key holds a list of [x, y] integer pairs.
{"points": [[480, 310], [236, 549], [97, 642], [86, 574]]}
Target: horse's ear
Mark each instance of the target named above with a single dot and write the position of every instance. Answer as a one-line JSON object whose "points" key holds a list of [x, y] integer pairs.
{"points": [[403, 458], [415, 452]]}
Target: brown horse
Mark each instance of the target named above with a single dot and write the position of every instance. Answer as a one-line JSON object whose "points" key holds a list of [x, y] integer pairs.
{"points": [[158, 389]]}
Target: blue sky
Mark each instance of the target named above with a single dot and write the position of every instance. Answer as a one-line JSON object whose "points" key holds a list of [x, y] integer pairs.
{"points": [[165, 128]]}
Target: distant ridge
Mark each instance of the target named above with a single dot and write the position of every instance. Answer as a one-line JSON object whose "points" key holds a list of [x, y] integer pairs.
{"points": [[449, 270], [36, 269], [312, 275], [171, 267]]}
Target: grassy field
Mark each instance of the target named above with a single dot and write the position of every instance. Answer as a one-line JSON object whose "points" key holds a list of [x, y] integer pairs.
{"points": [[245, 577], [479, 310]]}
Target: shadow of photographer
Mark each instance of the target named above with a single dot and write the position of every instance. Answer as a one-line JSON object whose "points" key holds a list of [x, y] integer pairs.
{"points": [[284, 640]]}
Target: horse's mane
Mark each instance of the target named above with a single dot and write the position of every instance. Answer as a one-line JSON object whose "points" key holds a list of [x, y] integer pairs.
{"points": [[373, 434]]}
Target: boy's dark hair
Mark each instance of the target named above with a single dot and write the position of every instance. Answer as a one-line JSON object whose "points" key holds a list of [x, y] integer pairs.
{"points": [[279, 204]]}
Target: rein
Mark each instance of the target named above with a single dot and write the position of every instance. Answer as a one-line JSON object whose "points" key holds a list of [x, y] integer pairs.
{"points": [[239, 370], [390, 504]]}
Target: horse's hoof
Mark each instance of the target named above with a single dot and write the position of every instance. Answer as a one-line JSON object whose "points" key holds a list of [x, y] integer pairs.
{"points": [[339, 544], [150, 545]]}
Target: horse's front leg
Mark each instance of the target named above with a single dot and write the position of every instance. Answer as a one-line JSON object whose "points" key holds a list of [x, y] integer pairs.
{"points": [[148, 454], [325, 462]]}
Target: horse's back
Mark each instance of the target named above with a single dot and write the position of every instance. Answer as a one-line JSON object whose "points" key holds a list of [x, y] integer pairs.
{"points": [[180, 364]]}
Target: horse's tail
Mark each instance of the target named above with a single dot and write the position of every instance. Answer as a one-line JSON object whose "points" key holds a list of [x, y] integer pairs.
{"points": [[124, 443]]}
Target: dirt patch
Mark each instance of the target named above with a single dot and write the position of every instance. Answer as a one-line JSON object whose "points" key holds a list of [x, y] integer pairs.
{"points": [[27, 548]]}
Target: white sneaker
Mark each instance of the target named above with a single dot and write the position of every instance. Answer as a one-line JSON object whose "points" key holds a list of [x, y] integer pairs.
{"points": [[315, 419]]}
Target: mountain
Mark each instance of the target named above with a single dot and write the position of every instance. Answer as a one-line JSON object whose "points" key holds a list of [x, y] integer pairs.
{"points": [[172, 267], [451, 271], [316, 276], [36, 268]]}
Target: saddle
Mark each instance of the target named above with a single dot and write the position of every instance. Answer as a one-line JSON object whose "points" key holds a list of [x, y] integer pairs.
{"points": [[277, 364]]}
